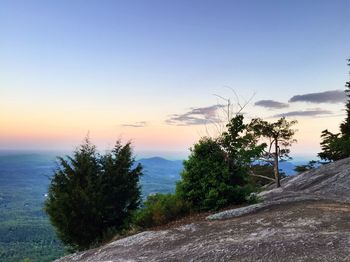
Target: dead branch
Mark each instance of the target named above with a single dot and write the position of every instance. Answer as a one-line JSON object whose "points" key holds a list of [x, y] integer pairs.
{"points": [[261, 176]]}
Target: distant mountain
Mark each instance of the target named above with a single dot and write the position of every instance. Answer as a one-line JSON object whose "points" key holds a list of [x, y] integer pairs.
{"points": [[288, 166], [160, 175], [161, 163]]}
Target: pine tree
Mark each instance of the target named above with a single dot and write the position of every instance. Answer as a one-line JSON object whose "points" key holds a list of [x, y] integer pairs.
{"points": [[92, 196], [345, 126], [279, 136], [337, 146]]}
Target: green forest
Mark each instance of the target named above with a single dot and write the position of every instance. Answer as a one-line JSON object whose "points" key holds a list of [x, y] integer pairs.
{"points": [[25, 232]]}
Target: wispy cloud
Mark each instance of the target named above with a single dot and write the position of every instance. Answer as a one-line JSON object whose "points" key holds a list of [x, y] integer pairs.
{"points": [[305, 113], [196, 116], [136, 124], [334, 96], [271, 104]]}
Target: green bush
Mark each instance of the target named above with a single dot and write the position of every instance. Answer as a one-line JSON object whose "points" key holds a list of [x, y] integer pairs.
{"points": [[207, 182], [160, 209]]}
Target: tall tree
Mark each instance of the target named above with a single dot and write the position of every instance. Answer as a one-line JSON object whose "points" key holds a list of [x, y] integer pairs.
{"points": [[278, 139], [91, 196], [240, 146]]}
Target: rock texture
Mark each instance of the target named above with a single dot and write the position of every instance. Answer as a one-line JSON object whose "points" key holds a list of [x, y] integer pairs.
{"points": [[308, 219], [328, 182]]}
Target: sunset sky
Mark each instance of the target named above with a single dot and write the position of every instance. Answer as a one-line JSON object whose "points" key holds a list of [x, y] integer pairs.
{"points": [[147, 70]]}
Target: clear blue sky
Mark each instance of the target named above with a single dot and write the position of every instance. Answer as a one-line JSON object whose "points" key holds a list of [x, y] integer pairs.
{"points": [[135, 61]]}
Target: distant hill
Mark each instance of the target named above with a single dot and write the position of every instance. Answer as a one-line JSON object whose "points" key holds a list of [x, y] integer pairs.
{"points": [[288, 166], [160, 175], [161, 163]]}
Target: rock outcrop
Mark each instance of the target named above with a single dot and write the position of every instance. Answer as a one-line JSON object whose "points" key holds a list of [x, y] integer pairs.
{"points": [[328, 182], [307, 219]]}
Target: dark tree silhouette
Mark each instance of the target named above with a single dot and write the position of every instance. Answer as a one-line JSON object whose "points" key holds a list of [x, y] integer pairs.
{"points": [[91, 196]]}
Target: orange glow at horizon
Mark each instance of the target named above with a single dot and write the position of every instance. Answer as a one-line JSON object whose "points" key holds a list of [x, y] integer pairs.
{"points": [[43, 126]]}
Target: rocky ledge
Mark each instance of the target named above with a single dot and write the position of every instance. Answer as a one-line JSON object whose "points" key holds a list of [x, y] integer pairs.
{"points": [[307, 219]]}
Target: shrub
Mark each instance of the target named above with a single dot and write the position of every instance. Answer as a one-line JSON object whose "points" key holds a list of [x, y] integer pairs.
{"points": [[160, 209], [207, 182], [91, 196]]}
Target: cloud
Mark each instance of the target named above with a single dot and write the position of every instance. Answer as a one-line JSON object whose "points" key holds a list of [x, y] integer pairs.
{"points": [[136, 124], [310, 112], [335, 96], [196, 116], [271, 104]]}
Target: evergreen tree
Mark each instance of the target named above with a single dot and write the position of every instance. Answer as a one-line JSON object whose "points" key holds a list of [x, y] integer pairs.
{"points": [[91, 196], [345, 126], [337, 146]]}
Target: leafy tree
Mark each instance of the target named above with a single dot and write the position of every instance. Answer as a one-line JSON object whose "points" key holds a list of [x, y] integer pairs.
{"points": [[279, 136], [206, 181], [240, 146], [205, 178], [216, 173], [91, 196], [337, 146]]}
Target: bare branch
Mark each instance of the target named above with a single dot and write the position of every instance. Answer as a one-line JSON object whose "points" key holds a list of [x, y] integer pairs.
{"points": [[266, 177], [246, 102]]}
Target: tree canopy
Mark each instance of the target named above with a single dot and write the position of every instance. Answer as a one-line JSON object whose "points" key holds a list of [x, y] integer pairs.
{"points": [[278, 139], [240, 146], [217, 171], [92, 195], [206, 181]]}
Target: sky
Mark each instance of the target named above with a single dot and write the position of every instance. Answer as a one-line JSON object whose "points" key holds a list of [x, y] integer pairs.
{"points": [[152, 71]]}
